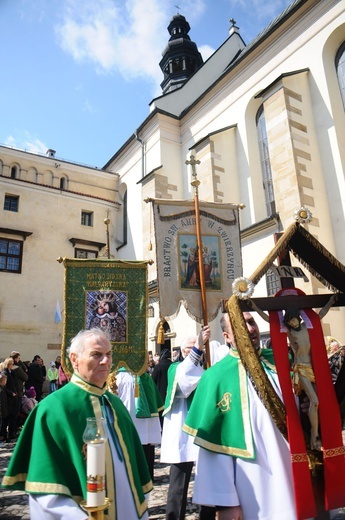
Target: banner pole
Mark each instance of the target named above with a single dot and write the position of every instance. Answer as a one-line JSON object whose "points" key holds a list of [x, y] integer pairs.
{"points": [[195, 183]]}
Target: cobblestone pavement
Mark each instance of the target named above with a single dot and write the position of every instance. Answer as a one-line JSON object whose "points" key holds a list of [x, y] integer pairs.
{"points": [[14, 504]]}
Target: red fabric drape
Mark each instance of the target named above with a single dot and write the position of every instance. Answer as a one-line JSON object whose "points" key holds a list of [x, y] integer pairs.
{"points": [[329, 418]]}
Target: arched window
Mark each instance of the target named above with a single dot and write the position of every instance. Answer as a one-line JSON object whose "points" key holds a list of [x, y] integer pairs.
{"points": [[265, 162], [14, 171], [62, 183], [340, 66]]}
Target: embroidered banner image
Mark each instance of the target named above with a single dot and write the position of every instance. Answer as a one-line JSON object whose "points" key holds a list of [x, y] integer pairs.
{"points": [[110, 295], [177, 254]]}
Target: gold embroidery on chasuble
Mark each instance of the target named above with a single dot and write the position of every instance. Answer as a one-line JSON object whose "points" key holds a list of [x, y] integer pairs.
{"points": [[224, 403]]}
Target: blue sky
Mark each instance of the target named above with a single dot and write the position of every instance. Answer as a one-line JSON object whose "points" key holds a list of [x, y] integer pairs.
{"points": [[78, 75]]}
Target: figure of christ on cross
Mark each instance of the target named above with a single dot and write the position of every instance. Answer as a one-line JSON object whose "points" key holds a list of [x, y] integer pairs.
{"points": [[304, 379]]}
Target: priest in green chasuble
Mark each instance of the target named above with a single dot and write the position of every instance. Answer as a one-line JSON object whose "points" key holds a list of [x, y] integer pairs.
{"points": [[49, 460]]}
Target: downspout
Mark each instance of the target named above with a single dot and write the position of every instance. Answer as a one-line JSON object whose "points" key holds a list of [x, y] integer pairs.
{"points": [[142, 154]]}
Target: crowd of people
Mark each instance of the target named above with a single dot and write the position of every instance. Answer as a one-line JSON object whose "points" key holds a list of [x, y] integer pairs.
{"points": [[215, 420], [21, 388]]}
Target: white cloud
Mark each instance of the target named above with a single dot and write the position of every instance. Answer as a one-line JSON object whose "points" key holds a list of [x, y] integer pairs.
{"points": [[125, 36], [26, 141]]}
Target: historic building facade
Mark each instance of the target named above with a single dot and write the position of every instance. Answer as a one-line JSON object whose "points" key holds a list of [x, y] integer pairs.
{"points": [[50, 208]]}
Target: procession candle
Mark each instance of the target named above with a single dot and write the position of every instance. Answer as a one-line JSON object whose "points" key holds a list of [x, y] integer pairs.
{"points": [[95, 463]]}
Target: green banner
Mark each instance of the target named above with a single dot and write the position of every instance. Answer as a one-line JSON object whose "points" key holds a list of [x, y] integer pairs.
{"points": [[111, 295]]}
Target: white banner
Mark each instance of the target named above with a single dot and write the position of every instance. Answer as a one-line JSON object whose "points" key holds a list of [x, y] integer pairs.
{"points": [[177, 255]]}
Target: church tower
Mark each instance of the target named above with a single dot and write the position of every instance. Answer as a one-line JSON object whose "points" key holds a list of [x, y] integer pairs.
{"points": [[181, 57]]}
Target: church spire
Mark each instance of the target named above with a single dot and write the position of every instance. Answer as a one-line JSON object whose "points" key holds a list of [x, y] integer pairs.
{"points": [[181, 57]]}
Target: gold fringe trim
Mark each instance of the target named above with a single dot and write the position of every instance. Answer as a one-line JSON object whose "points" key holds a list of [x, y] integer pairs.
{"points": [[254, 368]]}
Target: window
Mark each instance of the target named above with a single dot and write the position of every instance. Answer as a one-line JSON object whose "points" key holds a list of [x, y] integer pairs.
{"points": [[87, 218], [273, 284], [62, 183], [85, 253], [340, 65], [14, 172], [265, 162], [11, 203], [11, 255]]}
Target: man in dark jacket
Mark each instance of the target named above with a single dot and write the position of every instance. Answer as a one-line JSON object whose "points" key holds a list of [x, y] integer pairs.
{"points": [[160, 376], [35, 378], [19, 372]]}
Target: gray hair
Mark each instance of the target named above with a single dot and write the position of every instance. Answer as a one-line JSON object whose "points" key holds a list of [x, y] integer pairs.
{"points": [[78, 342]]}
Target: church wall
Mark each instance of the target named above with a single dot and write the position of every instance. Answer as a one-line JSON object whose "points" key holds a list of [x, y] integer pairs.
{"points": [[295, 70]]}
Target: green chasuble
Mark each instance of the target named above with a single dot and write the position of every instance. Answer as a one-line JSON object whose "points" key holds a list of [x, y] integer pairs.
{"points": [[49, 455], [219, 417], [149, 402]]}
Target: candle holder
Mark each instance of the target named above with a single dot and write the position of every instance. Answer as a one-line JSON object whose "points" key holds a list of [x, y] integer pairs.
{"points": [[95, 437], [95, 512]]}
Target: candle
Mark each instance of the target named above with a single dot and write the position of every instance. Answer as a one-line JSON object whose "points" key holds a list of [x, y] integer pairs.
{"points": [[94, 437], [95, 483]]}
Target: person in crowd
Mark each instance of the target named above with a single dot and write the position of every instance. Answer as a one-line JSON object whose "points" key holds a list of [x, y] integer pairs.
{"points": [[336, 356], [156, 358], [143, 408], [3, 401], [57, 361], [160, 377], [62, 377], [52, 377], [8, 428], [239, 442], [177, 447], [29, 401], [20, 375], [53, 471], [35, 376], [150, 364]]}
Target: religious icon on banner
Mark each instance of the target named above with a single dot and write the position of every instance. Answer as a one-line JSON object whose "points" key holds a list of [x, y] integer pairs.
{"points": [[107, 310], [189, 262]]}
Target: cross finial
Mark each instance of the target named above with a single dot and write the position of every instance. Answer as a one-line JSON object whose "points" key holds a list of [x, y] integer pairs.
{"points": [[177, 7], [193, 162], [232, 21]]}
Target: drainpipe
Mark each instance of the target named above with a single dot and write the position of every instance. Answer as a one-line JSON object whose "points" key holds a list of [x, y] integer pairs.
{"points": [[142, 154]]}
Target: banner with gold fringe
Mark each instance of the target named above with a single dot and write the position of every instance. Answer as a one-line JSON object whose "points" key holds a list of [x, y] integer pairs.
{"points": [[111, 295], [178, 268]]}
